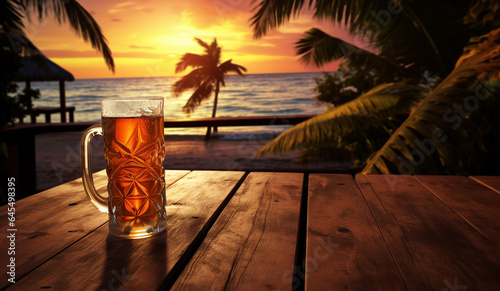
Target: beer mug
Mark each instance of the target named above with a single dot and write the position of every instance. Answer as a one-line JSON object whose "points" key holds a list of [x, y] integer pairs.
{"points": [[134, 148]]}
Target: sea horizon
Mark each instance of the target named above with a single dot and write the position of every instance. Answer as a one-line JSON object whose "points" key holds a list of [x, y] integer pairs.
{"points": [[180, 75], [263, 94]]}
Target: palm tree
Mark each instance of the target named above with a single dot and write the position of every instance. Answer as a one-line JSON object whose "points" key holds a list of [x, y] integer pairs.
{"points": [[410, 39], [455, 129], [206, 77], [360, 126]]}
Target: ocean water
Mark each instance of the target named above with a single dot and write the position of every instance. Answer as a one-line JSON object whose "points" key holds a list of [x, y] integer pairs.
{"points": [[251, 95]]}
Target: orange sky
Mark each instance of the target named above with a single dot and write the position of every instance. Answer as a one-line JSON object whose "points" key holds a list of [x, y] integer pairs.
{"points": [[147, 38]]}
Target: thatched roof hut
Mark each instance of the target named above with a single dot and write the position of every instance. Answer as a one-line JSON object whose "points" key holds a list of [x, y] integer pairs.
{"points": [[40, 68]]}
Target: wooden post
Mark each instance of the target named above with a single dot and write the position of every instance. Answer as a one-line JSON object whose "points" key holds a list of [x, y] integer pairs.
{"points": [[28, 101], [21, 162], [62, 98]]}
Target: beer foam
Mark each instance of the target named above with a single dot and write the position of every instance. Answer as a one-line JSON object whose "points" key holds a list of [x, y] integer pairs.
{"points": [[147, 111], [131, 108], [139, 112]]}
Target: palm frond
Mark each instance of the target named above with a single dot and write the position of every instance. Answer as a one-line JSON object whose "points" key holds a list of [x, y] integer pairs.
{"points": [[12, 29], [85, 25], [355, 147], [215, 49], [424, 37], [190, 60], [357, 115], [424, 33], [229, 67], [190, 81], [202, 93], [484, 13], [11, 20], [273, 13], [356, 13], [217, 55], [202, 44], [319, 48], [80, 20], [417, 37], [269, 14], [445, 133]]}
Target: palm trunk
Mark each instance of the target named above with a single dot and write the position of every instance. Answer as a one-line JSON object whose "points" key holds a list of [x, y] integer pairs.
{"points": [[217, 87]]}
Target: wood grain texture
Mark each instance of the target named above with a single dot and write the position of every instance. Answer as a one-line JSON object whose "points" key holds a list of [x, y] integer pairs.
{"points": [[477, 204], [48, 222], [51, 220], [252, 244], [432, 245], [492, 182], [345, 249], [102, 262], [393, 234]]}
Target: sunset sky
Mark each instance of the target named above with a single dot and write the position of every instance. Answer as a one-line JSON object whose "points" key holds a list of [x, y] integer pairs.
{"points": [[148, 38]]}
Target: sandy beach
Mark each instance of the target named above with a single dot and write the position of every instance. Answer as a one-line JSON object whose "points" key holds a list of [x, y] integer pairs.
{"points": [[58, 156]]}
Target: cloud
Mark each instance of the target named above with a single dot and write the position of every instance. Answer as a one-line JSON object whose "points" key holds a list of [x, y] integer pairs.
{"points": [[124, 4], [143, 9], [140, 47], [128, 6], [94, 54], [275, 44], [203, 14], [164, 30]]}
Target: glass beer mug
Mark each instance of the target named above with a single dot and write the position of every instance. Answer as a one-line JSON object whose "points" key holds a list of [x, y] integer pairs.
{"points": [[134, 148]]}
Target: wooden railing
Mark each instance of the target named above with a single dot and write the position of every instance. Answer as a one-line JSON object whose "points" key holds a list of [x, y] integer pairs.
{"points": [[47, 111], [21, 146]]}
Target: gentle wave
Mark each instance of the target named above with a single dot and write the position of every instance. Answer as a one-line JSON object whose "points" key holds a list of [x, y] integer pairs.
{"points": [[251, 95]]}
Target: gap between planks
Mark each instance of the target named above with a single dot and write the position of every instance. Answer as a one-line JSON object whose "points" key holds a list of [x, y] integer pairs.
{"points": [[178, 174], [477, 179], [301, 249], [453, 209], [185, 258]]}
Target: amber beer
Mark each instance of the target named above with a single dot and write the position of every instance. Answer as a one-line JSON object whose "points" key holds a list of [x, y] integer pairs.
{"points": [[134, 149]]}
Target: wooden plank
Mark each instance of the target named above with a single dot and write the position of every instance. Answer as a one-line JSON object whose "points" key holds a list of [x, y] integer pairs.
{"points": [[201, 122], [477, 204], [252, 244], [345, 249], [239, 121], [52, 220], [492, 182], [172, 176], [103, 262], [388, 226], [48, 222], [432, 245]]}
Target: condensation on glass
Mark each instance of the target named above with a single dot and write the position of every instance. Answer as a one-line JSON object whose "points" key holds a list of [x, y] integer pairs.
{"points": [[134, 148]]}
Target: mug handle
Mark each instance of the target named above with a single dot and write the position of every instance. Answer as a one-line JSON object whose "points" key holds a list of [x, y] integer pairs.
{"points": [[85, 162]]}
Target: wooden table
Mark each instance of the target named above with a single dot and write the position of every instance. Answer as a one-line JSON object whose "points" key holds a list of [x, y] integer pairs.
{"points": [[268, 231]]}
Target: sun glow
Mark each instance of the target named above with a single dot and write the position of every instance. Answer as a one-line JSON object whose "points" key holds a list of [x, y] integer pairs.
{"points": [[149, 38]]}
